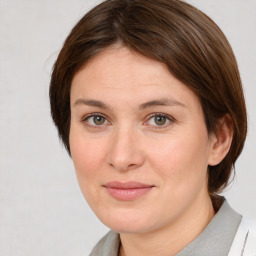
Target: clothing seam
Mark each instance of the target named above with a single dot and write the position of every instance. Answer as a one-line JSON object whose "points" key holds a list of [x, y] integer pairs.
{"points": [[245, 241]]}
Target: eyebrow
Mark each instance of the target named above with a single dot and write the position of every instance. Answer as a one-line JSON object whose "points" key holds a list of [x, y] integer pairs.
{"points": [[161, 102], [152, 103], [92, 103]]}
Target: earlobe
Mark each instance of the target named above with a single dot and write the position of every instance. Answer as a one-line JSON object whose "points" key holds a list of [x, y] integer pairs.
{"points": [[222, 140]]}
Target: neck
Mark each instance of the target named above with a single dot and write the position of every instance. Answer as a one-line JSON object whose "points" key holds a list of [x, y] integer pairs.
{"points": [[172, 238]]}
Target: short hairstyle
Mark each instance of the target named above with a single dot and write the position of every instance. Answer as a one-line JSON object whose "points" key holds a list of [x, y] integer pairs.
{"points": [[175, 33]]}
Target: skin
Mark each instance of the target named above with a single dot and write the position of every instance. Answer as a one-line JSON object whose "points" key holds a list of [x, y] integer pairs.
{"points": [[127, 143]]}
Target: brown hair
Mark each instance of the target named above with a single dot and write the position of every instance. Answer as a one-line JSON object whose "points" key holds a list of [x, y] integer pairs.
{"points": [[170, 31]]}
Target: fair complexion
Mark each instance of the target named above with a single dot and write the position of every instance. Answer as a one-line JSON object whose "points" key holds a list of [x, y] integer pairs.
{"points": [[141, 150]]}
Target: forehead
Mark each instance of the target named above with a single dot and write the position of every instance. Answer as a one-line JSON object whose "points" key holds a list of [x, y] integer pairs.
{"points": [[119, 74], [118, 63]]}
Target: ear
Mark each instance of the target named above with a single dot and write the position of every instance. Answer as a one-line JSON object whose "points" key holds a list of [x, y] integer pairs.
{"points": [[221, 140]]}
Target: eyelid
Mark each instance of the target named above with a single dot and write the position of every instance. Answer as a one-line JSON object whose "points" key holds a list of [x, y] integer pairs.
{"points": [[148, 117], [86, 117], [168, 117]]}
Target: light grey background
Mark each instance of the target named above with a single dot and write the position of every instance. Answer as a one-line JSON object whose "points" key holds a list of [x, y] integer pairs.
{"points": [[42, 211]]}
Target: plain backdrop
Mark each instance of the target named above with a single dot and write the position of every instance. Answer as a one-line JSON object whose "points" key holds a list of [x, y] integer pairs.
{"points": [[42, 211]]}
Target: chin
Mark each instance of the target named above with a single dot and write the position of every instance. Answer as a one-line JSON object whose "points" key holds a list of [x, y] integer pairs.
{"points": [[129, 227], [127, 221]]}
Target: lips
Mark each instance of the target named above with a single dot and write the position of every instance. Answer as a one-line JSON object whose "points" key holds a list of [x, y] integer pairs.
{"points": [[127, 191]]}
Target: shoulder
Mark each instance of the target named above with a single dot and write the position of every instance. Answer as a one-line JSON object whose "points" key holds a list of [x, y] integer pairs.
{"points": [[244, 243], [107, 246], [249, 223], [250, 226]]}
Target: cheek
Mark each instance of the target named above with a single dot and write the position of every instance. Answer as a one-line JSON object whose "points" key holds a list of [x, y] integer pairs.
{"points": [[87, 155], [181, 161]]}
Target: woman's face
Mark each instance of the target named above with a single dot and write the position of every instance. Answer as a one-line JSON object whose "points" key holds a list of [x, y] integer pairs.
{"points": [[138, 141]]}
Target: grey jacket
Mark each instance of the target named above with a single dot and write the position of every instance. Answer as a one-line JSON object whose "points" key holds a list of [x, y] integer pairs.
{"points": [[228, 234]]}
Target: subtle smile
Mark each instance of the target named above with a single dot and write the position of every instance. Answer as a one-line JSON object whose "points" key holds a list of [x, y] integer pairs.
{"points": [[128, 190]]}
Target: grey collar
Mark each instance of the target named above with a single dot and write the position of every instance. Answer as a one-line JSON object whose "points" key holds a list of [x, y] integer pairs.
{"points": [[215, 239]]}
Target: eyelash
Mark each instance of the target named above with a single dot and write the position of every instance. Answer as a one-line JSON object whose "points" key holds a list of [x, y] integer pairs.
{"points": [[85, 119], [153, 115]]}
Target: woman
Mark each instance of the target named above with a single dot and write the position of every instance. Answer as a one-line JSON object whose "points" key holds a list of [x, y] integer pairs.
{"points": [[148, 101]]}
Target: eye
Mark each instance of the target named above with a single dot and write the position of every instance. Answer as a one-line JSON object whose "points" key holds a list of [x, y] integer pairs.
{"points": [[159, 119], [95, 120]]}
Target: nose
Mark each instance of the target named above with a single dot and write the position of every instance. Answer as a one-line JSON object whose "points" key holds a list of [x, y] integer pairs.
{"points": [[125, 150]]}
